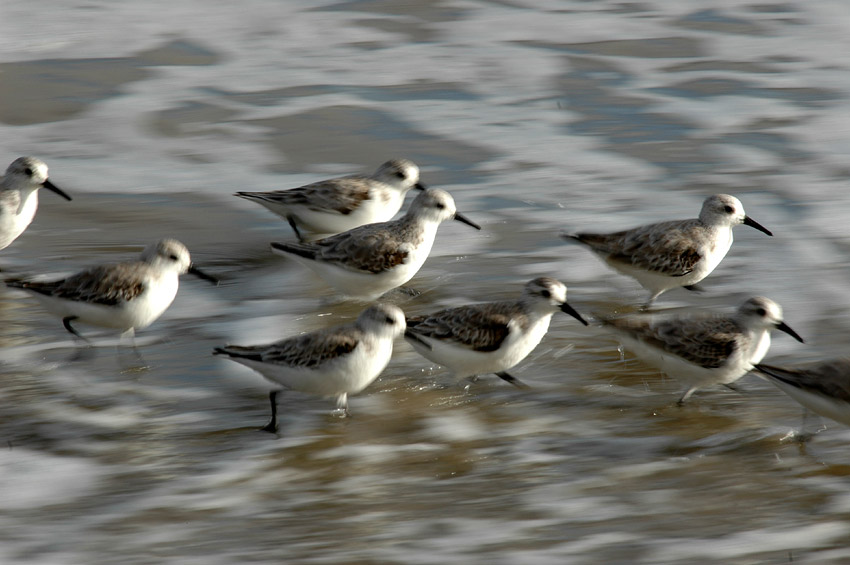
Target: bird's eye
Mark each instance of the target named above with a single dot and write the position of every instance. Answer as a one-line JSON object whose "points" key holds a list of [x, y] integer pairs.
{"points": [[28, 172], [545, 294], [389, 320], [173, 257], [729, 209], [400, 174], [761, 312], [441, 206]]}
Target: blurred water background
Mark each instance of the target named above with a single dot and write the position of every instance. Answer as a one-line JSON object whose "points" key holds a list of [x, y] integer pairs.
{"points": [[538, 116]]}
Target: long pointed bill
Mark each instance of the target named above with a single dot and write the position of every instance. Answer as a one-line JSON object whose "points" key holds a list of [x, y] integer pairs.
{"points": [[52, 187], [748, 221], [567, 309], [202, 275], [420, 186], [461, 218], [787, 329]]}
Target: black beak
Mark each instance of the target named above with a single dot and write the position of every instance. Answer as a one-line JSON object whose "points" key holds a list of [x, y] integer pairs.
{"points": [[787, 329], [748, 221], [420, 186], [461, 218], [50, 186], [202, 275], [567, 309]]}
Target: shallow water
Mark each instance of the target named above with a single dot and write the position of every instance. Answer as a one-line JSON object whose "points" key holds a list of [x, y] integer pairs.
{"points": [[538, 117]]}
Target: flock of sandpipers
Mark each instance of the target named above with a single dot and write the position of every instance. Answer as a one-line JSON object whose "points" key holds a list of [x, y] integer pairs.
{"points": [[346, 235]]}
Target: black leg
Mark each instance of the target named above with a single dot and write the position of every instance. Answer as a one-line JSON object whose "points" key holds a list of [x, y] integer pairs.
{"points": [[695, 288], [513, 380], [291, 221], [67, 323], [271, 427]]}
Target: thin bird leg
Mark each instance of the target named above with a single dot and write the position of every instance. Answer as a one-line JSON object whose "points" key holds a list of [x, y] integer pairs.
{"points": [[83, 352], [342, 404], [140, 361], [648, 304], [513, 380], [686, 396], [67, 323], [271, 426], [131, 336], [291, 220]]}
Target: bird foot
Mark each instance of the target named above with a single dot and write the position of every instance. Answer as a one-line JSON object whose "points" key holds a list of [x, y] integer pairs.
{"points": [[270, 427]]}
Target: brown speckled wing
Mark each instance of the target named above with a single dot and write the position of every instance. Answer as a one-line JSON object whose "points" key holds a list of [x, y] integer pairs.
{"points": [[705, 342], [309, 350], [481, 327], [666, 247], [106, 284], [343, 195], [372, 248]]}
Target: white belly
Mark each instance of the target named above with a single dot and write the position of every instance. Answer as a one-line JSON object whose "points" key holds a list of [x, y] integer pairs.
{"points": [[14, 221], [348, 375], [466, 362], [366, 285], [321, 222], [138, 313]]}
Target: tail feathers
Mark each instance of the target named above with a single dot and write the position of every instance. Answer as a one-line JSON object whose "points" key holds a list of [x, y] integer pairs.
{"points": [[238, 352], [15, 283], [593, 240], [777, 373], [302, 250], [33, 286], [249, 195]]}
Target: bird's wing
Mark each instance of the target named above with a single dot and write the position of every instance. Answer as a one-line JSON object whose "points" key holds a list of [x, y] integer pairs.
{"points": [[372, 248], [342, 195], [104, 284], [309, 350], [707, 342], [666, 247], [474, 327]]}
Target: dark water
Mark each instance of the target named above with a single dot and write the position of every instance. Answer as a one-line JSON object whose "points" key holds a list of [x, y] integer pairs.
{"points": [[537, 117]]}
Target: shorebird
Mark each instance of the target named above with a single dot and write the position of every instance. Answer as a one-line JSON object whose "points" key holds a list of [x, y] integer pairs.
{"points": [[125, 296], [341, 204], [703, 351], [490, 337], [676, 253], [332, 362], [370, 260], [19, 196]]}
